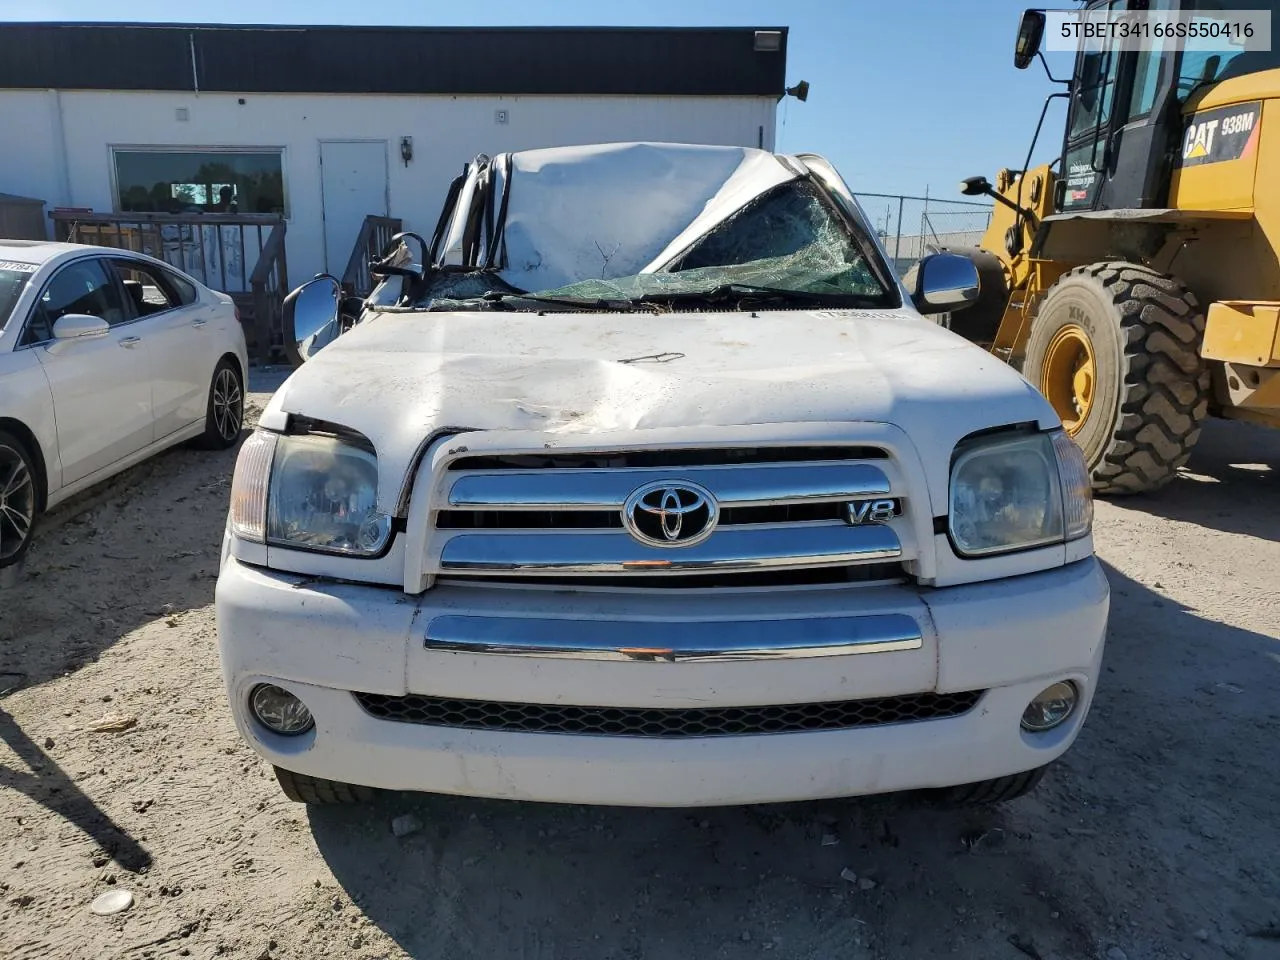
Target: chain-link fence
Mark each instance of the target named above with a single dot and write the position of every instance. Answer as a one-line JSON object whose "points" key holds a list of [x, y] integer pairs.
{"points": [[909, 226]]}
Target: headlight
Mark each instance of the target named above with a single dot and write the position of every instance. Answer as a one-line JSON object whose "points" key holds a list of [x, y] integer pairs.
{"points": [[1013, 493], [308, 492]]}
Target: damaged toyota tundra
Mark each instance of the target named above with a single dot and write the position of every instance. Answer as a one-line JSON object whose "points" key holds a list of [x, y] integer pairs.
{"points": [[644, 480]]}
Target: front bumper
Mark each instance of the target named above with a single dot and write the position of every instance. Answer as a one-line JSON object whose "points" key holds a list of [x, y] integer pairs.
{"points": [[1010, 638]]}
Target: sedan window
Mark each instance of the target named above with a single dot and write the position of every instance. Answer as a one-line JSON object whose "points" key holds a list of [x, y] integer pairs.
{"points": [[183, 289], [148, 288], [81, 287]]}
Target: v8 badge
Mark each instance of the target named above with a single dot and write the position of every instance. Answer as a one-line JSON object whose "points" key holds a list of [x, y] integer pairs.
{"points": [[870, 511]]}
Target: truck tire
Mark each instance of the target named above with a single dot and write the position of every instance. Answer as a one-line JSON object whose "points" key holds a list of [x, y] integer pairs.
{"points": [[300, 788], [1115, 348], [986, 792]]}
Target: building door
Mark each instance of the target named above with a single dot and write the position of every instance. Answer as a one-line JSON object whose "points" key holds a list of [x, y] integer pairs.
{"points": [[353, 185]]}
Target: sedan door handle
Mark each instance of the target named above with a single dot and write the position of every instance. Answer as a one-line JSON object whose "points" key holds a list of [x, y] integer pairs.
{"points": [[130, 342], [199, 321]]}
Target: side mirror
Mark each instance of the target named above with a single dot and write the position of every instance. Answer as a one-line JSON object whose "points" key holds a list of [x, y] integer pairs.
{"points": [[942, 283], [79, 326], [312, 318], [1030, 33], [405, 255]]}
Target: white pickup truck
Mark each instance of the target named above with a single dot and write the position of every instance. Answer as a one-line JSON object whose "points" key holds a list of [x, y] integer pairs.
{"points": [[643, 481]]}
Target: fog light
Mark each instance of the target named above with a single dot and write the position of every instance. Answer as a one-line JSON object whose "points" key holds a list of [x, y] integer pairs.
{"points": [[1051, 707], [279, 710]]}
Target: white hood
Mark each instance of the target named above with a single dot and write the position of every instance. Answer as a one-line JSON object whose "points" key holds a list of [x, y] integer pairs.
{"points": [[399, 377]]}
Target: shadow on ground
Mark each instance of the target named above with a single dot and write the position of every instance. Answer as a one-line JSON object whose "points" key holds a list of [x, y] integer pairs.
{"points": [[143, 546], [1064, 873], [45, 782], [139, 547], [1230, 483]]}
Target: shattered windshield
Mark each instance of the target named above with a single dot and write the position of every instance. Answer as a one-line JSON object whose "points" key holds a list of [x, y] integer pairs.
{"points": [[788, 246]]}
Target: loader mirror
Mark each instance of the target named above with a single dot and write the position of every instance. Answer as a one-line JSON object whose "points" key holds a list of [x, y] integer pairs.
{"points": [[1030, 33]]}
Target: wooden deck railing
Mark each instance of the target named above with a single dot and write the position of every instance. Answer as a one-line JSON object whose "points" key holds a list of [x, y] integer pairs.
{"points": [[374, 235], [240, 254], [270, 285], [218, 249]]}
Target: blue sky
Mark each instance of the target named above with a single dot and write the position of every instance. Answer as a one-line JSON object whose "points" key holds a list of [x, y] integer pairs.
{"points": [[907, 95]]}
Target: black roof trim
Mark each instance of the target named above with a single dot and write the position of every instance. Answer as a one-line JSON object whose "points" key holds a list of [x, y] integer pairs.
{"points": [[655, 61]]}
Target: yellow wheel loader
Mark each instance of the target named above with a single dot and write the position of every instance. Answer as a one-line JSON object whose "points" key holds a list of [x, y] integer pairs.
{"points": [[1135, 280]]}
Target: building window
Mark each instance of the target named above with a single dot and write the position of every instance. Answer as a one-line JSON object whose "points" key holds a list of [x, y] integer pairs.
{"points": [[214, 181]]}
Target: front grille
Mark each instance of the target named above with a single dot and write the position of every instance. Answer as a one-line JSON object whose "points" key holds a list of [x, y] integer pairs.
{"points": [[690, 457], [829, 512], [782, 511], [664, 722], [809, 577]]}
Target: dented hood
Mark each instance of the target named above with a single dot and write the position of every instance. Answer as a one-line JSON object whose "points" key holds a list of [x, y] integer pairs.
{"points": [[397, 378]]}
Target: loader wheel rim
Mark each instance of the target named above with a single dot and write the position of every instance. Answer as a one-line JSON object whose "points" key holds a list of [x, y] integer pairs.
{"points": [[1069, 376]]}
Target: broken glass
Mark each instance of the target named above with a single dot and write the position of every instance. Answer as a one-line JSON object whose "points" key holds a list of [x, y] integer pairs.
{"points": [[788, 240]]}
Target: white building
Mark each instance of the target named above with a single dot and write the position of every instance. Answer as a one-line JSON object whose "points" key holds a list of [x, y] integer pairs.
{"points": [[323, 125]]}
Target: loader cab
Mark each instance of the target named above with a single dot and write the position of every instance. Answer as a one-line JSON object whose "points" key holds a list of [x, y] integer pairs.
{"points": [[1125, 120]]}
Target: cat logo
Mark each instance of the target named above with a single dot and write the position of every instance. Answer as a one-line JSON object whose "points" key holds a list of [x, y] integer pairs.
{"points": [[1200, 139], [1227, 133]]}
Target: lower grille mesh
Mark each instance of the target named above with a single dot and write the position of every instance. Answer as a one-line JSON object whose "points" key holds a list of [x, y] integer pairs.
{"points": [[662, 722]]}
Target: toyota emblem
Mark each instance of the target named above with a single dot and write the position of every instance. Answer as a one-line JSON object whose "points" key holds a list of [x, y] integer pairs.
{"points": [[670, 513]]}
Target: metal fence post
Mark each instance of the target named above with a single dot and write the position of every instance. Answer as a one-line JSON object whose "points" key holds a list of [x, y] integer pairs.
{"points": [[897, 242]]}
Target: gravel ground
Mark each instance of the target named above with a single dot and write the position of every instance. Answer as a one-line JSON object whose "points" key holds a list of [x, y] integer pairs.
{"points": [[1156, 837]]}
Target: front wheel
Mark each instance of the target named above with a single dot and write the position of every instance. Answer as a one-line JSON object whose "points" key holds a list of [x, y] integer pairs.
{"points": [[988, 792], [1115, 348], [301, 788], [224, 416], [18, 499]]}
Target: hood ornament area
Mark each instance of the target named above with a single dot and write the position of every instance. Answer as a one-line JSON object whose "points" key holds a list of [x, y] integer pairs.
{"points": [[670, 513]]}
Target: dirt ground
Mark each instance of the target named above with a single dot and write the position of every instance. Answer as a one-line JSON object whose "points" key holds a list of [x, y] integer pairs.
{"points": [[1156, 837]]}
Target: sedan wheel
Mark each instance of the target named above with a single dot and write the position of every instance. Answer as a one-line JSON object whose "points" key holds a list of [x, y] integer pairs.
{"points": [[226, 408], [228, 404], [17, 501]]}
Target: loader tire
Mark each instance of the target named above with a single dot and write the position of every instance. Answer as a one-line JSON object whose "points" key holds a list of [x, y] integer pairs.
{"points": [[979, 321], [1139, 413]]}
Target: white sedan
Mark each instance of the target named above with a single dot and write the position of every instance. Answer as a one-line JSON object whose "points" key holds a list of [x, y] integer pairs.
{"points": [[106, 357]]}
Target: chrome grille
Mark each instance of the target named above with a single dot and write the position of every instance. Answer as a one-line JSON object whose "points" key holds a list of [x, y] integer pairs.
{"points": [[685, 457], [886, 572], [828, 511], [561, 516], [666, 722]]}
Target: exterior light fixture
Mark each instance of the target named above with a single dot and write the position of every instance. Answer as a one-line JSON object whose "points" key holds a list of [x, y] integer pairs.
{"points": [[406, 149], [800, 91]]}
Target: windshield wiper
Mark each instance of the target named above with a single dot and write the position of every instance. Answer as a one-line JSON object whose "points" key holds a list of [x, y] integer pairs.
{"points": [[747, 291], [503, 301], [655, 300]]}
